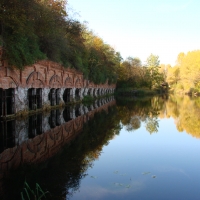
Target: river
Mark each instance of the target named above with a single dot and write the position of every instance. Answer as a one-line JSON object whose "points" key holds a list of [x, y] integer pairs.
{"points": [[111, 149]]}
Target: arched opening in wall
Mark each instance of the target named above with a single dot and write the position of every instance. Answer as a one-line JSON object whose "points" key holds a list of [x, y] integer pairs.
{"points": [[34, 98], [89, 92], [66, 95], [57, 96], [77, 94], [52, 97], [7, 134], [35, 125], [31, 99], [39, 97], [93, 94], [7, 101], [66, 114], [98, 92]]}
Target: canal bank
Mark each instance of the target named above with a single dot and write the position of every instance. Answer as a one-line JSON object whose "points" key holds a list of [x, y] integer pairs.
{"points": [[43, 85]]}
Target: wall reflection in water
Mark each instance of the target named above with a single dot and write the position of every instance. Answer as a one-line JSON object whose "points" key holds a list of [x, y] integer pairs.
{"points": [[40, 137]]}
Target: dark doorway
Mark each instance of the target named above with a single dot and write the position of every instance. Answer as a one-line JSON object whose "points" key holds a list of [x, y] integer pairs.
{"points": [[89, 92], [77, 94], [7, 101], [35, 98], [98, 92], [52, 97], [39, 97], [66, 95], [57, 96]]}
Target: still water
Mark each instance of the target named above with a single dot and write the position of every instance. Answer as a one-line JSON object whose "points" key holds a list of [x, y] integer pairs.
{"points": [[113, 149]]}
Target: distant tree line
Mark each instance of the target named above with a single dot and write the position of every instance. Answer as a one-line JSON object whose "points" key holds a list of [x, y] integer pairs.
{"points": [[133, 74], [184, 77], [31, 30]]}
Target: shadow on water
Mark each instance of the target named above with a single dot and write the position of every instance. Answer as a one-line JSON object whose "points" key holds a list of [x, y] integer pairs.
{"points": [[55, 149]]}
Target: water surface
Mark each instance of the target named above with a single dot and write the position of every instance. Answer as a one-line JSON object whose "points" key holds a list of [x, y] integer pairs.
{"points": [[134, 149]]}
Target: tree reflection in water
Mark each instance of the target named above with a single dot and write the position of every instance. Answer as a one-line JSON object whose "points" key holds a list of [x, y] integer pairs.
{"points": [[184, 110], [134, 112], [61, 175]]}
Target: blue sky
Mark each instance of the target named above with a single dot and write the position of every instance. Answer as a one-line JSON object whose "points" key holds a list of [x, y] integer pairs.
{"points": [[139, 28]]}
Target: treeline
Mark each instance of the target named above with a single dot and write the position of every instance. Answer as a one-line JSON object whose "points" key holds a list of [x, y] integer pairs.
{"points": [[32, 30], [133, 74], [184, 77]]}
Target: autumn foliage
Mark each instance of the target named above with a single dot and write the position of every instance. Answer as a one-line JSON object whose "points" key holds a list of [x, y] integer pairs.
{"points": [[32, 30]]}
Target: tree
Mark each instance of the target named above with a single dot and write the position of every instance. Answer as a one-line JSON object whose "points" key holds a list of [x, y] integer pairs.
{"points": [[180, 58], [31, 30], [153, 76]]}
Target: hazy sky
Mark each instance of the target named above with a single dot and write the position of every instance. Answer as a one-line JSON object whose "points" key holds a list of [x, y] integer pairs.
{"points": [[138, 28]]}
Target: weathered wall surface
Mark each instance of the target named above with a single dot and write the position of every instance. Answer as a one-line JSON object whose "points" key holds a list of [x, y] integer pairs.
{"points": [[45, 74]]}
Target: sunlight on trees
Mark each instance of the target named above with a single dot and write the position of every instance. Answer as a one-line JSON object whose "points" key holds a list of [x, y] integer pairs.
{"points": [[185, 76], [154, 77]]}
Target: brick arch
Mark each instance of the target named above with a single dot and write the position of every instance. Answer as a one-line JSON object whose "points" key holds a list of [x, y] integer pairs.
{"points": [[8, 82], [55, 82], [36, 80], [91, 85], [68, 82], [14, 78], [77, 82]]}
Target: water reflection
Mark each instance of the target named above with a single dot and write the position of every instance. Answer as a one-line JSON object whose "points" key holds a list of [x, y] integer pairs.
{"points": [[183, 109], [186, 113], [38, 138], [56, 149], [134, 112]]}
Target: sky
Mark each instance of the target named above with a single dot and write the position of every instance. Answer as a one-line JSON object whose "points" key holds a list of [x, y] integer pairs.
{"points": [[138, 28]]}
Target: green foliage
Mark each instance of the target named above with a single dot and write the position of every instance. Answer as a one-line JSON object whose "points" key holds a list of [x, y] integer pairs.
{"points": [[29, 194], [131, 73], [154, 77], [22, 50], [153, 61], [87, 98], [32, 30]]}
